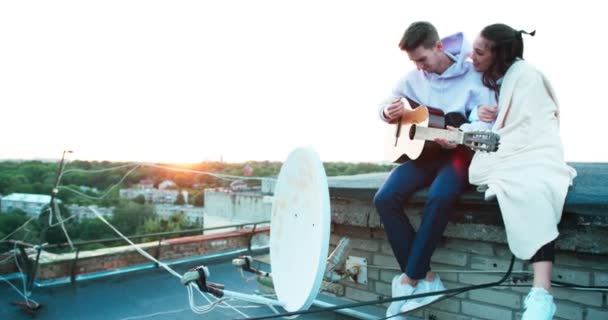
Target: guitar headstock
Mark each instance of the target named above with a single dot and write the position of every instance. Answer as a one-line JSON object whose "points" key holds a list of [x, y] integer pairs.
{"points": [[486, 141]]}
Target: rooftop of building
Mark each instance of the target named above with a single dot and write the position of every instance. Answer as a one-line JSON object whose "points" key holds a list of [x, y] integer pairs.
{"points": [[146, 292], [28, 197], [151, 293]]}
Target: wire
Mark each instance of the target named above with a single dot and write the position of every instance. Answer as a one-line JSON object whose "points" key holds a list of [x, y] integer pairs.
{"points": [[22, 226], [154, 314], [107, 191], [61, 222], [193, 306], [16, 289], [99, 170], [25, 293], [152, 165], [64, 220], [140, 250], [385, 300], [7, 259], [135, 166], [216, 175]]}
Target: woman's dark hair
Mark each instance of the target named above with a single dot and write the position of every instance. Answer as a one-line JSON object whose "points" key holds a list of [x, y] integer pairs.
{"points": [[506, 46]]}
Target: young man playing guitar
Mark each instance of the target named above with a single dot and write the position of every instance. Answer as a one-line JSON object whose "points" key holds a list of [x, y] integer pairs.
{"points": [[443, 79]]}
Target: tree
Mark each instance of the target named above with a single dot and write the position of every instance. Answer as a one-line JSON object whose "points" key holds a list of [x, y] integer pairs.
{"points": [[129, 216], [151, 226], [9, 222], [111, 199], [180, 199], [141, 199], [199, 199], [95, 229], [55, 233]]}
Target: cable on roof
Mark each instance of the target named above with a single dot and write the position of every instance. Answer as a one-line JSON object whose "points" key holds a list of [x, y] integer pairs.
{"points": [[448, 293]]}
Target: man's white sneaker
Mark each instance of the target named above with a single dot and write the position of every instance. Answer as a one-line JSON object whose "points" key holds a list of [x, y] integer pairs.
{"points": [[424, 287], [539, 305], [398, 290]]}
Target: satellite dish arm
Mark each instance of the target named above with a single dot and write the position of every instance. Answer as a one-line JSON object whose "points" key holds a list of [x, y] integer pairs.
{"points": [[245, 263], [199, 276]]}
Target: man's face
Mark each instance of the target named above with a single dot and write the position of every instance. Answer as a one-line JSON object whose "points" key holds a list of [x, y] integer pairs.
{"points": [[482, 55], [426, 59]]}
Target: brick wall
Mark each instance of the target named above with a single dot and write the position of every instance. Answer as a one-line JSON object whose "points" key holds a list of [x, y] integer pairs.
{"points": [[8, 266], [471, 253], [61, 266]]}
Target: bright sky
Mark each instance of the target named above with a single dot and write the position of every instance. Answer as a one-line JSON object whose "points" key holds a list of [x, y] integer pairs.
{"points": [[189, 81]]}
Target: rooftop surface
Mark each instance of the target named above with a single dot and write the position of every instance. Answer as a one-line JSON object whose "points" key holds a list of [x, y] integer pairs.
{"points": [[144, 294]]}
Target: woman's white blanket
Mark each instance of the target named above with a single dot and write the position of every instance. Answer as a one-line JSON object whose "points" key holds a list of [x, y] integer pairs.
{"points": [[528, 174]]}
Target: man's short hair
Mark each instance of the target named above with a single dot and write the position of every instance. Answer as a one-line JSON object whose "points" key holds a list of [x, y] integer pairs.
{"points": [[420, 33]]}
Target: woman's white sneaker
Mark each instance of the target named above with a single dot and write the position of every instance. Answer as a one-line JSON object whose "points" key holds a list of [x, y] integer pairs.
{"points": [[538, 305], [398, 290], [424, 287]]}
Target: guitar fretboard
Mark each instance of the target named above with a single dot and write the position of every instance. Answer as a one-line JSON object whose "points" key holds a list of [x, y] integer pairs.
{"points": [[425, 133]]}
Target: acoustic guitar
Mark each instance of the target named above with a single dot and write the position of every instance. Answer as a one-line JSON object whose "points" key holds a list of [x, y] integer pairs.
{"points": [[411, 136]]}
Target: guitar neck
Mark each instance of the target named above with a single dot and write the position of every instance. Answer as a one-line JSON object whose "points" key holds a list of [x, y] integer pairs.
{"points": [[425, 133]]}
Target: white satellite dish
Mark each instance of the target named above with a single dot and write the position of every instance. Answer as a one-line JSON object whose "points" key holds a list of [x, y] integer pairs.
{"points": [[299, 229], [299, 236]]}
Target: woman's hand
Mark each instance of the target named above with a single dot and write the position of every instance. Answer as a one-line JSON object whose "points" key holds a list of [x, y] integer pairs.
{"points": [[487, 113]]}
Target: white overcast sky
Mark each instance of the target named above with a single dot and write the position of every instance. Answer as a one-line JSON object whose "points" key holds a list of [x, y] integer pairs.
{"points": [[188, 81]]}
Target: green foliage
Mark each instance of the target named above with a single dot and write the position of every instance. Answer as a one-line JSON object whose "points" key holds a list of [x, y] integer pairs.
{"points": [[16, 211], [180, 199], [26, 177], [111, 199], [176, 222], [129, 216], [9, 222], [198, 199], [38, 177], [95, 229], [76, 198], [348, 169], [54, 232], [151, 226], [140, 198]]}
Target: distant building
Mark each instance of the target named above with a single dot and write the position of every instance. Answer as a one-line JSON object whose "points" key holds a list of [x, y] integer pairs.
{"points": [[145, 183], [86, 188], [193, 214], [29, 203], [151, 195], [84, 212], [166, 184], [268, 185], [237, 206], [238, 185]]}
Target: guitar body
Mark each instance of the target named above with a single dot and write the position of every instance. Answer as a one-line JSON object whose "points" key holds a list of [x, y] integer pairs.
{"points": [[400, 147]]}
